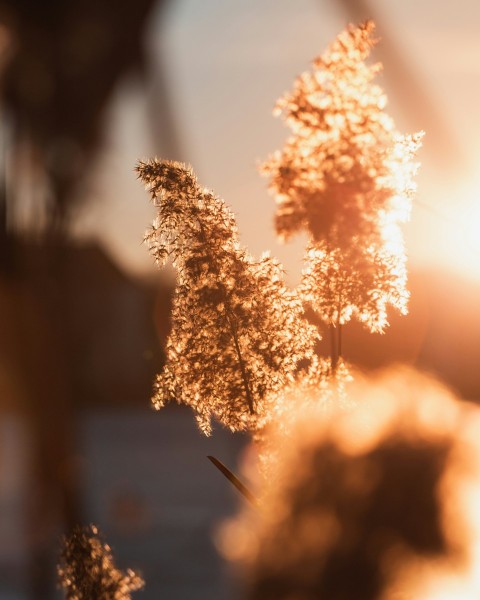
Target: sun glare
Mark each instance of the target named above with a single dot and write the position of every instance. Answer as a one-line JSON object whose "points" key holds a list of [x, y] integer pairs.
{"points": [[451, 226], [470, 222]]}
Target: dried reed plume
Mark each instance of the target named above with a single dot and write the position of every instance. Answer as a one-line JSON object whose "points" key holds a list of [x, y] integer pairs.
{"points": [[87, 570], [238, 335], [345, 176]]}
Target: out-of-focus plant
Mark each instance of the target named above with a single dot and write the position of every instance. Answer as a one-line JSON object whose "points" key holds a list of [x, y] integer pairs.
{"points": [[380, 501], [345, 176], [87, 570]]}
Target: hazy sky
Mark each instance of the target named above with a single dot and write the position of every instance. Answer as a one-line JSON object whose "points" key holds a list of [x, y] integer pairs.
{"points": [[226, 62]]}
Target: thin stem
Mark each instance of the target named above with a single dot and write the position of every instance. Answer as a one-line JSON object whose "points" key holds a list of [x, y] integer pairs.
{"points": [[241, 487], [339, 341], [333, 347], [241, 363]]}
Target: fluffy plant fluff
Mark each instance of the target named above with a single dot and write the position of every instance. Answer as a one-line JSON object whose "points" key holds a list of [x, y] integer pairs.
{"points": [[238, 335], [87, 570], [345, 176]]}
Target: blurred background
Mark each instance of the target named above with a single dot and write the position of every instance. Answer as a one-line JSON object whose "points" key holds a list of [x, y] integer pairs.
{"points": [[86, 89]]}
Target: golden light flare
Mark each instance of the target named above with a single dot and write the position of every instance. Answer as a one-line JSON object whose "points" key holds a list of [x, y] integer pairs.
{"points": [[467, 215], [449, 219]]}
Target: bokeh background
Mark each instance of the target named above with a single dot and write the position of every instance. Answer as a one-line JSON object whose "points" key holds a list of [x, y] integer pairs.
{"points": [[89, 87]]}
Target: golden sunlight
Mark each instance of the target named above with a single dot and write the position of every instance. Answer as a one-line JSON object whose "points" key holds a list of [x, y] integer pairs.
{"points": [[469, 217], [450, 223]]}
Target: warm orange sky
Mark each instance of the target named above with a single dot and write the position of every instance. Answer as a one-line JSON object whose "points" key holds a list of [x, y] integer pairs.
{"points": [[228, 61]]}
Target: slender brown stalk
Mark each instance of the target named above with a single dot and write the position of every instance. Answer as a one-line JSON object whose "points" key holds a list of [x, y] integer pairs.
{"points": [[339, 340], [241, 487], [333, 347]]}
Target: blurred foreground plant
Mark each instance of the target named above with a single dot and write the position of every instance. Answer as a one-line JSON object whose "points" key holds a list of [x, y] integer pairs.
{"points": [[380, 501]]}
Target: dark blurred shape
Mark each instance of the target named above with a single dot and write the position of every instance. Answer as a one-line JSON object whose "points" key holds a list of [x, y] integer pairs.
{"points": [[374, 502], [347, 514], [65, 60], [69, 319], [82, 296], [77, 334]]}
